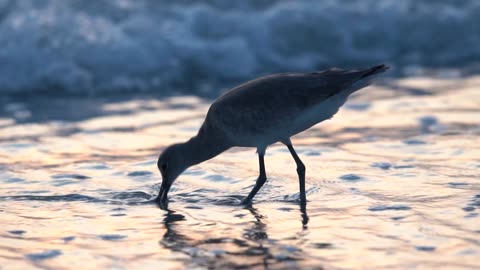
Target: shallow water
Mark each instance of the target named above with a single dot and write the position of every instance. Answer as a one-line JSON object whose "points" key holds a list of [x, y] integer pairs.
{"points": [[392, 182]]}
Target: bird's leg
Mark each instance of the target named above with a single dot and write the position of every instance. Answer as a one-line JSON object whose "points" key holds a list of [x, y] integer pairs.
{"points": [[300, 171], [262, 177]]}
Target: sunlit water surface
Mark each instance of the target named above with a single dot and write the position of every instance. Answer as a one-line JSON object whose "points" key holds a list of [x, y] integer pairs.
{"points": [[392, 182]]}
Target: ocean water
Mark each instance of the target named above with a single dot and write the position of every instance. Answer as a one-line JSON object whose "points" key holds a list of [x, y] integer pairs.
{"points": [[392, 182], [93, 91], [110, 46]]}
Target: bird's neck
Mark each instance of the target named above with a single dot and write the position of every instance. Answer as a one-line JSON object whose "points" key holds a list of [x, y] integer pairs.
{"points": [[200, 148]]}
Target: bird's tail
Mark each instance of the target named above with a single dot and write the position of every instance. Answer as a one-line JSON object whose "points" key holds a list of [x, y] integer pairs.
{"points": [[375, 70], [365, 77]]}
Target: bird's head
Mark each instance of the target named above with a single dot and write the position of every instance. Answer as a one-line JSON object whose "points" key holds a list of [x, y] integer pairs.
{"points": [[171, 164]]}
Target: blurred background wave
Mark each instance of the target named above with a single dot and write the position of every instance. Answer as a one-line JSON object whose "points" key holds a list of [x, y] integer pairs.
{"points": [[196, 47]]}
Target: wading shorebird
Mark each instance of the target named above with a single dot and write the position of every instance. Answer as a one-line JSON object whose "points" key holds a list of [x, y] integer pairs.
{"points": [[262, 112]]}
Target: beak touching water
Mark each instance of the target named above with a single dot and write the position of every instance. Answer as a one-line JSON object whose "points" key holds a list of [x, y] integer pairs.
{"points": [[162, 199]]}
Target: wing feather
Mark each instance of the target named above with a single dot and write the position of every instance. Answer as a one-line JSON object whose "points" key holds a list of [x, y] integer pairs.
{"points": [[270, 102]]}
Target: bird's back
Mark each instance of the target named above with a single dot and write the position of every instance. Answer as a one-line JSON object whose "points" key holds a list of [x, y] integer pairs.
{"points": [[270, 104]]}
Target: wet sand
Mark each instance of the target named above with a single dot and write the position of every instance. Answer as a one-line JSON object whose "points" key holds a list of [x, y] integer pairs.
{"points": [[392, 183]]}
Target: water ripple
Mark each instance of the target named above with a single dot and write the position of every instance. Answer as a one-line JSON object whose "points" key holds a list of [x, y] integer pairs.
{"points": [[73, 176], [389, 207], [44, 255], [52, 198]]}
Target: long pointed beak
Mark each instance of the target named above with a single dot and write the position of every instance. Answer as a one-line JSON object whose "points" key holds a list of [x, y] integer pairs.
{"points": [[162, 199]]}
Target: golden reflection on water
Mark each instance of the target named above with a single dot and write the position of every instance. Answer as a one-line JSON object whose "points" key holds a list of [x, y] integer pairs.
{"points": [[392, 182]]}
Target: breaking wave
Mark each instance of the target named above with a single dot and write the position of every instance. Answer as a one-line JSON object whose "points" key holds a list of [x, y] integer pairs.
{"points": [[93, 47]]}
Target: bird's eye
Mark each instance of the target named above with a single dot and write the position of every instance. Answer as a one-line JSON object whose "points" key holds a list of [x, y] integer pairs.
{"points": [[164, 166]]}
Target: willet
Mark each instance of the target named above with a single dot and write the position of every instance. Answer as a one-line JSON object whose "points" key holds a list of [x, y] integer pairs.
{"points": [[261, 112]]}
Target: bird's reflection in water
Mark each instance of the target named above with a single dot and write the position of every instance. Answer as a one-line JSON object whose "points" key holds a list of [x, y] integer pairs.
{"points": [[257, 233], [252, 248], [172, 239]]}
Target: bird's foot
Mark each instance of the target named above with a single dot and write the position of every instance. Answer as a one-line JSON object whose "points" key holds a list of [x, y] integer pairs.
{"points": [[162, 204], [246, 202]]}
